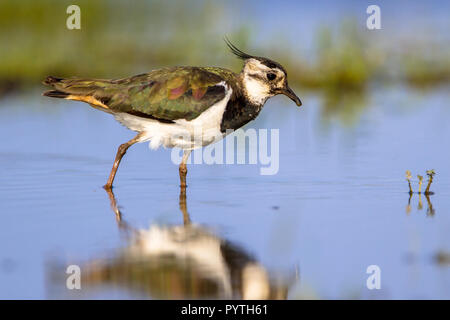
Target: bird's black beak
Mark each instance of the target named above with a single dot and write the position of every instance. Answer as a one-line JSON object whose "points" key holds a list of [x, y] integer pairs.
{"points": [[289, 93]]}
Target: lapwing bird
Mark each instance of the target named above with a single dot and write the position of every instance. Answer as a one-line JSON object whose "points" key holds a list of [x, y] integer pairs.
{"points": [[184, 107]]}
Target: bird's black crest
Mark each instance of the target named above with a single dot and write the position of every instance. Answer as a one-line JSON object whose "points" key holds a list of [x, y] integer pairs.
{"points": [[237, 52], [244, 56]]}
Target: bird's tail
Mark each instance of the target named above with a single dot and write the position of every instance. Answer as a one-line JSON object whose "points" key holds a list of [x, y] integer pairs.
{"points": [[91, 91], [53, 82]]}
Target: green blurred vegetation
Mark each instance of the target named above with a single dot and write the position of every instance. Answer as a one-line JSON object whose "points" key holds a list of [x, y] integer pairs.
{"points": [[345, 60], [116, 39], [423, 70], [119, 38]]}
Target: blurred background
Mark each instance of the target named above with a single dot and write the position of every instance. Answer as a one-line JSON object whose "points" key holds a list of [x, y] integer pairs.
{"points": [[325, 46], [375, 104]]}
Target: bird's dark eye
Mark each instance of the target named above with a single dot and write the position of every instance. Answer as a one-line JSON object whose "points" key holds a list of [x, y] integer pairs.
{"points": [[271, 76]]}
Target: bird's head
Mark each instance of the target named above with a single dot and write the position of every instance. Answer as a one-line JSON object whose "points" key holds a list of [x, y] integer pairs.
{"points": [[262, 78]]}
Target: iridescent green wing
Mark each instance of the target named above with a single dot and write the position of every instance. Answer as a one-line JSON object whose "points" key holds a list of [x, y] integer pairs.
{"points": [[168, 94]]}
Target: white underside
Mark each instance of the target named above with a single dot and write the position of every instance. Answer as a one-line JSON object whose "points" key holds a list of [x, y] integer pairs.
{"points": [[184, 134]]}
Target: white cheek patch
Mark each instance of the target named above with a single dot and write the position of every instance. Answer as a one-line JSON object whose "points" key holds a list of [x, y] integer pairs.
{"points": [[257, 91]]}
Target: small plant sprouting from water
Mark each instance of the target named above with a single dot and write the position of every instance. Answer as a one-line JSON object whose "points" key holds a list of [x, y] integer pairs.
{"points": [[408, 178], [420, 182], [430, 174]]}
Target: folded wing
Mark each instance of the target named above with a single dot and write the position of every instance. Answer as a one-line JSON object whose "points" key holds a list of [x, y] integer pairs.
{"points": [[164, 94]]}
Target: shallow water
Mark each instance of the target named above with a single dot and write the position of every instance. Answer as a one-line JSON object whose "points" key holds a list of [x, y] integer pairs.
{"points": [[338, 204]]}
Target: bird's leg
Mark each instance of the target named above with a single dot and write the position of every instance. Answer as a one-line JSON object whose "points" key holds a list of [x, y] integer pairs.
{"points": [[120, 153], [183, 168]]}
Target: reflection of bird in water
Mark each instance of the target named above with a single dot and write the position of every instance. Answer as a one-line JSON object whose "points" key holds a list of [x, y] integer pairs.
{"points": [[183, 261]]}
